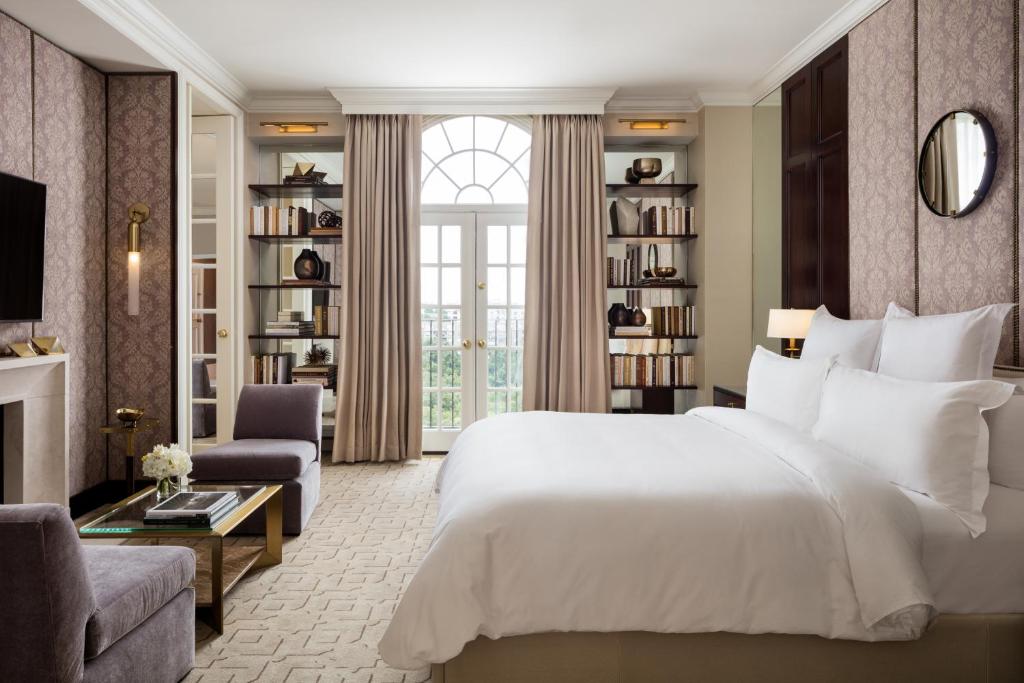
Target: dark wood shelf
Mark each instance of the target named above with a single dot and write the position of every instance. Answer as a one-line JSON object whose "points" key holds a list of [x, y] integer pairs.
{"points": [[687, 286], [298, 191], [612, 335], [316, 286], [294, 337], [677, 387], [651, 239], [662, 191], [321, 239]]}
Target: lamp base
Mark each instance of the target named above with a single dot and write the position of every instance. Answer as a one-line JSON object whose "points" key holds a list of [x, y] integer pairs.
{"points": [[792, 351]]}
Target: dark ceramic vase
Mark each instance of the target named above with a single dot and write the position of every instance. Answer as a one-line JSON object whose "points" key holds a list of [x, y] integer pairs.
{"points": [[309, 265], [618, 315], [637, 317]]}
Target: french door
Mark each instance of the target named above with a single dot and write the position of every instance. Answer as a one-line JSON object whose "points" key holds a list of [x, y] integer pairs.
{"points": [[473, 297]]}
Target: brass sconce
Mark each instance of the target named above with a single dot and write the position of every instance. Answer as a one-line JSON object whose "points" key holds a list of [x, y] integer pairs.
{"points": [[650, 124], [294, 126], [139, 214]]}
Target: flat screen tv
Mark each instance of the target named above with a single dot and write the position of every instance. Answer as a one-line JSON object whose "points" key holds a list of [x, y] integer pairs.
{"points": [[22, 236]]}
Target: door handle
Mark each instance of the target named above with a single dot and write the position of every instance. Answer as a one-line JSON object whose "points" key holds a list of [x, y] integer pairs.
{"points": [[222, 333], [482, 343], [466, 344], [481, 285]]}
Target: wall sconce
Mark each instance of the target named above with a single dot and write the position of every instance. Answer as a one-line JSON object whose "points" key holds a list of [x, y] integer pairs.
{"points": [[650, 124], [294, 126], [139, 214]]}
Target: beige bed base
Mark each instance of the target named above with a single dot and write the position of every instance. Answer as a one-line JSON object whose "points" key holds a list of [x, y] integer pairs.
{"points": [[982, 648]]}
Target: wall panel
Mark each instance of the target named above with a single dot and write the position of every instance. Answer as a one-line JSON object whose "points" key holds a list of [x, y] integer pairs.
{"points": [[882, 176]]}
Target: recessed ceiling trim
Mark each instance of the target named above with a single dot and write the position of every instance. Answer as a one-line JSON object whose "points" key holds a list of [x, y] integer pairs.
{"points": [[148, 28], [292, 102], [834, 28], [657, 105], [724, 98], [472, 100]]}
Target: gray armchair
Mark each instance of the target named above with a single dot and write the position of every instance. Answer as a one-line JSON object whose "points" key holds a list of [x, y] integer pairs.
{"points": [[278, 428], [90, 613]]}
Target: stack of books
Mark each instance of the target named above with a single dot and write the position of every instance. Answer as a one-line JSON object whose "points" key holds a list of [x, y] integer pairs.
{"points": [[324, 375], [669, 220], [194, 509], [271, 368], [656, 370], [289, 324], [673, 320]]}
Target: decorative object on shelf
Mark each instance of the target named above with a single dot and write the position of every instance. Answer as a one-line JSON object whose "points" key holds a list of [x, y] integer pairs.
{"points": [[129, 417], [23, 349], [169, 465], [663, 271], [138, 214], [958, 161], [48, 346], [791, 324], [317, 355], [637, 317], [618, 315], [646, 169], [631, 177], [303, 174], [328, 219], [309, 266], [625, 217]]}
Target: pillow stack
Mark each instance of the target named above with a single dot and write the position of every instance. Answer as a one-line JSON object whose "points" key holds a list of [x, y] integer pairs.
{"points": [[904, 396]]}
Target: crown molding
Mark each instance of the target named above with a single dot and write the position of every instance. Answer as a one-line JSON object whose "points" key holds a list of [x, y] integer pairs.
{"points": [[659, 105], [508, 101], [834, 28], [313, 102], [724, 98], [147, 27]]}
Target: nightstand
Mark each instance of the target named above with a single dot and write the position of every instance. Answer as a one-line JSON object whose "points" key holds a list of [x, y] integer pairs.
{"points": [[730, 397]]}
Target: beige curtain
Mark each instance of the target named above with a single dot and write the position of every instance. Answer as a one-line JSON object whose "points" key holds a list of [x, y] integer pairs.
{"points": [[565, 360], [379, 410]]}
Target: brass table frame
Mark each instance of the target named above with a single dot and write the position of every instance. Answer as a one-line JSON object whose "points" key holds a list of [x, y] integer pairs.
{"points": [[272, 496], [146, 424]]}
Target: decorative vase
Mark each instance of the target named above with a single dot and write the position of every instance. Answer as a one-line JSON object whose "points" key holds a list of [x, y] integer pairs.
{"points": [[618, 315], [637, 317], [308, 265], [165, 488]]}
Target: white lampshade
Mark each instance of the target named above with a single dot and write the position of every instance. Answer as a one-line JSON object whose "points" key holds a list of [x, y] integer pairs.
{"points": [[789, 323]]}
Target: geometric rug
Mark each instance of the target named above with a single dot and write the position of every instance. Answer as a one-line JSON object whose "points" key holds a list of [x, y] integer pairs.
{"points": [[319, 614]]}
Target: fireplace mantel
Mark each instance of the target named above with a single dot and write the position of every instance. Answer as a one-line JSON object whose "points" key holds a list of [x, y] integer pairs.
{"points": [[34, 393]]}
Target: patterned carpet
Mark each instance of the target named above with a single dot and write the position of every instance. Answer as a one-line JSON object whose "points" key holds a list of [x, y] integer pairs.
{"points": [[319, 614]]}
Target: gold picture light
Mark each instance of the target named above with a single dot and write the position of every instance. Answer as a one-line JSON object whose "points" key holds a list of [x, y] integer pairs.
{"points": [[139, 214], [650, 124], [294, 126]]}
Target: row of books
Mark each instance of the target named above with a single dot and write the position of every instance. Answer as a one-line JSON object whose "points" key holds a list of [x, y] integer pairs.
{"points": [[654, 370], [669, 220], [324, 375], [649, 298], [287, 220], [629, 270], [271, 368], [672, 320], [326, 320]]}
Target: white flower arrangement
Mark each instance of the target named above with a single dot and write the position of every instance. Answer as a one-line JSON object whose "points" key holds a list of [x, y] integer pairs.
{"points": [[166, 461]]}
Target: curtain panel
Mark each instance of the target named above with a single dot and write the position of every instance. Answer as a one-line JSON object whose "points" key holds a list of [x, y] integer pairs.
{"points": [[379, 409], [565, 359]]}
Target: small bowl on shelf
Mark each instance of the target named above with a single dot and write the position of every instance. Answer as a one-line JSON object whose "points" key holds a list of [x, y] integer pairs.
{"points": [[647, 167], [663, 271], [129, 417]]}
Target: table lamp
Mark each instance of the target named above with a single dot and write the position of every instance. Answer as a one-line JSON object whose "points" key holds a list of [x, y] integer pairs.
{"points": [[791, 324]]}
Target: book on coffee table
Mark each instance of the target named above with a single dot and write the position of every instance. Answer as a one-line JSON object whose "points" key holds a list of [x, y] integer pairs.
{"points": [[193, 508]]}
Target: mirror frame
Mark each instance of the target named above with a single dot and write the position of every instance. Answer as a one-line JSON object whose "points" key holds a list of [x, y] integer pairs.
{"points": [[992, 154]]}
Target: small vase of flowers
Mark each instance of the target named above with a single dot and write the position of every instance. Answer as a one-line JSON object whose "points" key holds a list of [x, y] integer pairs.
{"points": [[169, 465]]}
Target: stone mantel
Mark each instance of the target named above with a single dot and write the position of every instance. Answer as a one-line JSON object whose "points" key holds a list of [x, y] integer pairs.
{"points": [[34, 393]]}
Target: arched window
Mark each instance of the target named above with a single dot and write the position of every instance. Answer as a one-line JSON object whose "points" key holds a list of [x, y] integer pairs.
{"points": [[475, 160]]}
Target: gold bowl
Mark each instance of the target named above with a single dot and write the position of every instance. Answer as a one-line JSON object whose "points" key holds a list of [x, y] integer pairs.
{"points": [[129, 415], [663, 271]]}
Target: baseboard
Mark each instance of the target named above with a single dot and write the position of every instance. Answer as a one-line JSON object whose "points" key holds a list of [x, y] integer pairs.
{"points": [[96, 496]]}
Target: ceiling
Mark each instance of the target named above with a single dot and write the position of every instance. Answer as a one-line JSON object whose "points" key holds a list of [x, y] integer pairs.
{"points": [[653, 49]]}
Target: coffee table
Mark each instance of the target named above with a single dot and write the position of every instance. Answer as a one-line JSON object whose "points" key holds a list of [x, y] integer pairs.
{"points": [[228, 564]]}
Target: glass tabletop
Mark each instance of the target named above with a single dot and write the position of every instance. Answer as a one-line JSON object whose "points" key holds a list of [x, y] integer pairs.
{"points": [[127, 516]]}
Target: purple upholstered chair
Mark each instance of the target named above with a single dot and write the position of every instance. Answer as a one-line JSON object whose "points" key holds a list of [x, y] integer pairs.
{"points": [[76, 612], [277, 441]]}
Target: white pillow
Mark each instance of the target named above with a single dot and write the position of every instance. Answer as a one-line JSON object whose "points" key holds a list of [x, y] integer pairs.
{"points": [[854, 343], [941, 348], [1006, 440], [786, 389], [925, 436]]}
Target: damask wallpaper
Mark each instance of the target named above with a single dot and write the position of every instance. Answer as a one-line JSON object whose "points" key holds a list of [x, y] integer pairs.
{"points": [[140, 156], [965, 59]]}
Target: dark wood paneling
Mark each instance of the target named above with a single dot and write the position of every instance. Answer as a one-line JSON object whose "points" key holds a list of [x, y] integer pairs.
{"points": [[815, 216]]}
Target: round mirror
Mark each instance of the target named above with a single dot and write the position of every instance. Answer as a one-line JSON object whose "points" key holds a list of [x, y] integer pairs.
{"points": [[958, 161]]}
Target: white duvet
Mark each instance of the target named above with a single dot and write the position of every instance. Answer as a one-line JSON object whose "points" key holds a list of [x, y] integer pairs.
{"points": [[718, 520]]}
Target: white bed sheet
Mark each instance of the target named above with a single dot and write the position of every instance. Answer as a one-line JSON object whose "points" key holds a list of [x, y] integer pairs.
{"points": [[984, 575]]}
